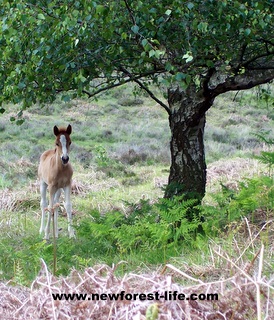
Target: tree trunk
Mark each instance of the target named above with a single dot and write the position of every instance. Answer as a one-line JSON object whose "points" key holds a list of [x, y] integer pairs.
{"points": [[187, 123]]}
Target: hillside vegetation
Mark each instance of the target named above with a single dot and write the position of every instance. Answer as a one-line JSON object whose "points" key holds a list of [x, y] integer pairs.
{"points": [[120, 155]]}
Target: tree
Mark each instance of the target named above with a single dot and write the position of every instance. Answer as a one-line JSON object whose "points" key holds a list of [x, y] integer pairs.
{"points": [[193, 50]]}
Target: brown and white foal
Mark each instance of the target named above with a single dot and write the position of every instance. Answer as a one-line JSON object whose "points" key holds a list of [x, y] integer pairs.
{"points": [[55, 172]]}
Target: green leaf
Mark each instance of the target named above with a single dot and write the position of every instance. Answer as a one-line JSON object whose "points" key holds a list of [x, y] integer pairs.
{"points": [[159, 53], [21, 85], [66, 98], [147, 45], [247, 32], [190, 5], [180, 76], [169, 67], [144, 42], [151, 53], [124, 35], [203, 26], [40, 16], [188, 57], [135, 29], [100, 9], [19, 122], [19, 114]]}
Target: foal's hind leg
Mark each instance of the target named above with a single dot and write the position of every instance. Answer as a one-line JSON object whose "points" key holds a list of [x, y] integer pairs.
{"points": [[43, 204], [68, 207], [56, 207]]}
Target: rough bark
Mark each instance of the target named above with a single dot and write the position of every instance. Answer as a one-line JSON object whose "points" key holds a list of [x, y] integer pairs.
{"points": [[187, 123]]}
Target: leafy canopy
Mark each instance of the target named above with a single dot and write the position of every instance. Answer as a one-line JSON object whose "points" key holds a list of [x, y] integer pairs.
{"points": [[48, 47]]}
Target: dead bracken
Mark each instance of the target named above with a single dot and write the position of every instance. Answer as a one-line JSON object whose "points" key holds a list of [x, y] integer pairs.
{"points": [[244, 294]]}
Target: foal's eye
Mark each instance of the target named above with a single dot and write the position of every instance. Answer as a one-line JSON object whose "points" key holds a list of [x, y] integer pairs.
{"points": [[57, 144]]}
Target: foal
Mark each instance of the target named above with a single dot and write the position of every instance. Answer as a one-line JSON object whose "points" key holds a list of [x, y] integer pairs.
{"points": [[55, 172]]}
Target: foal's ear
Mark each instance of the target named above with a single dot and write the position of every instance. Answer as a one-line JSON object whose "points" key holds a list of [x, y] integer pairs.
{"points": [[56, 130], [69, 129]]}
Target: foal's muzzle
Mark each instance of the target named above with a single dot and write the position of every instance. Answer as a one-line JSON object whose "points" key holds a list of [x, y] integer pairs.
{"points": [[65, 159]]}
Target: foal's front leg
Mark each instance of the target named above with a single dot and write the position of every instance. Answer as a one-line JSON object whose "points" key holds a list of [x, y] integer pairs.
{"points": [[52, 191]]}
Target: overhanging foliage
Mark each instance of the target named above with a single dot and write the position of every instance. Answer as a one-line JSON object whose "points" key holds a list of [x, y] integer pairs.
{"points": [[53, 46]]}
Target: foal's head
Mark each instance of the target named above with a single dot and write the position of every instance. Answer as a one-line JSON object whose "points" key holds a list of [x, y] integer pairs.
{"points": [[63, 142]]}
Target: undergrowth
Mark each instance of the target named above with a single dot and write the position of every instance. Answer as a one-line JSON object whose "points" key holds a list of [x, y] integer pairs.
{"points": [[150, 232]]}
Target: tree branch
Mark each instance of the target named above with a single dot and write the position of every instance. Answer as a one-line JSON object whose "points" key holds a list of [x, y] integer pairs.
{"points": [[257, 58], [247, 80], [108, 87], [130, 12], [131, 78], [242, 52], [150, 93]]}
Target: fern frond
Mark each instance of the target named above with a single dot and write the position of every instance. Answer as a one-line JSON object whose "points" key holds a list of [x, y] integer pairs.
{"points": [[19, 275], [266, 158]]}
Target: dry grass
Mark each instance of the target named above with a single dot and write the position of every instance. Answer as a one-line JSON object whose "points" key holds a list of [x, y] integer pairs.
{"points": [[8, 200], [231, 172], [13, 200], [244, 286], [18, 200], [243, 295]]}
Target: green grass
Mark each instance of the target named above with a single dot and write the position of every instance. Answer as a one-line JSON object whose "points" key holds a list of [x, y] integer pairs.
{"points": [[121, 157]]}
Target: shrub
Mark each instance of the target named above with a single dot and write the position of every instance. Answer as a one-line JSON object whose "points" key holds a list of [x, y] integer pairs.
{"points": [[266, 157], [2, 126], [254, 195], [132, 157], [166, 224], [128, 101]]}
